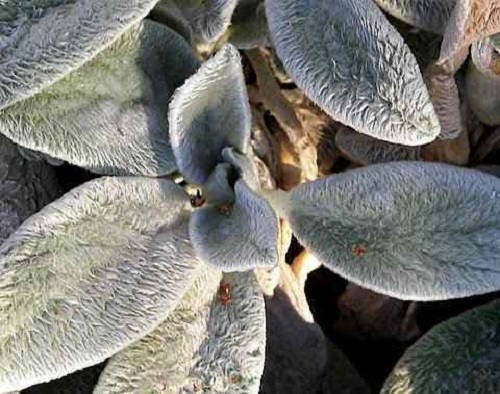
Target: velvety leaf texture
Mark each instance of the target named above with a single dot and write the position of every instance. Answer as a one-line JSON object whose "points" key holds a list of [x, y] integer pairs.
{"points": [[208, 19], [238, 236], [43, 40], [209, 112], [347, 58], [411, 230], [430, 15], [457, 356], [203, 346], [25, 187], [89, 274], [365, 150], [249, 25], [110, 115]]}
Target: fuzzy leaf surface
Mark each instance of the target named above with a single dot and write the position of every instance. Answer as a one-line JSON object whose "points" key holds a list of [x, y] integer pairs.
{"points": [[237, 236], [89, 274], [209, 112], [110, 115], [411, 230], [43, 40], [249, 25], [203, 346], [430, 15], [457, 356], [341, 54]]}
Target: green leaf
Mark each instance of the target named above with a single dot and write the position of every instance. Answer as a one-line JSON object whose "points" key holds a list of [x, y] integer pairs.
{"points": [[238, 235], [430, 15], [209, 112], [89, 274], [43, 40], [25, 187], [365, 150], [348, 59], [208, 19], [203, 346], [110, 115], [411, 230], [457, 356]]}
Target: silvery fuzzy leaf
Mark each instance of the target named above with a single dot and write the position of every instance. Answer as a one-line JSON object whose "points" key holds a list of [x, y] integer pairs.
{"points": [[457, 356], [209, 112], [203, 346], [110, 115], [470, 21], [43, 40], [218, 188], [89, 274], [341, 54], [238, 236], [208, 19], [430, 15], [169, 12], [25, 187], [483, 83], [244, 165], [365, 150], [411, 230], [249, 25]]}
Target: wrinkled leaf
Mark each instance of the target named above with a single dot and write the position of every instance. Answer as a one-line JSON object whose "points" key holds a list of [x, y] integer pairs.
{"points": [[203, 346], [365, 150], [483, 83], [411, 230], [110, 115], [89, 274], [209, 112], [470, 21], [25, 187], [342, 55], [430, 15], [249, 25], [44, 40], [236, 236], [457, 356], [208, 19]]}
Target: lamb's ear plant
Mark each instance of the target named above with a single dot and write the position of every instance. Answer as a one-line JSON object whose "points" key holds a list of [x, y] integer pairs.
{"points": [[341, 55], [457, 356], [67, 97]]}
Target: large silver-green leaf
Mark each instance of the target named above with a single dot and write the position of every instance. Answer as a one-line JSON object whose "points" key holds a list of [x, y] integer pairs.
{"points": [[25, 187], [110, 115], [365, 150], [239, 235], [209, 112], [430, 15], [89, 274], [347, 58], [43, 40], [411, 230], [205, 345], [458, 356], [207, 19]]}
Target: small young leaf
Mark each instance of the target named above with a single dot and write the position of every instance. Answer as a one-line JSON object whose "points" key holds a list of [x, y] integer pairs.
{"points": [[411, 230], [457, 356], [365, 150], [110, 115], [249, 25], [42, 41], [347, 58], [238, 236], [430, 15], [89, 274], [209, 112], [208, 19], [206, 345]]}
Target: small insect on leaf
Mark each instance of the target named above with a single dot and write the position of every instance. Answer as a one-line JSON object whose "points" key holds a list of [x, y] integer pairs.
{"points": [[225, 293], [198, 199]]}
